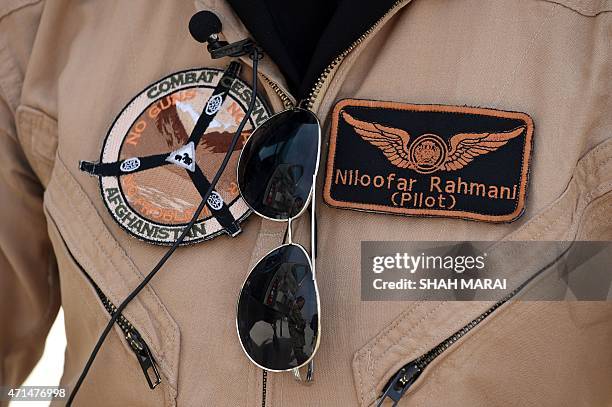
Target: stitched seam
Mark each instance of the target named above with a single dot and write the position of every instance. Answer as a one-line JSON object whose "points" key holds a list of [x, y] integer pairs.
{"points": [[26, 116], [372, 364], [75, 250], [161, 354], [534, 40], [413, 328], [8, 77], [581, 211], [78, 252], [479, 328], [580, 203], [371, 371], [360, 379], [107, 255], [501, 311], [96, 307], [172, 338], [116, 247], [560, 200], [606, 222], [387, 331]]}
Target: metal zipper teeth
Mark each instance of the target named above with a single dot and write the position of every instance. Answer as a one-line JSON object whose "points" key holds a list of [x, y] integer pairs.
{"points": [[426, 359], [287, 102], [314, 93], [411, 371], [144, 356], [264, 389], [125, 325]]}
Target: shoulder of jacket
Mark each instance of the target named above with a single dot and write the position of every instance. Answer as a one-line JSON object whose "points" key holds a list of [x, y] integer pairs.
{"points": [[11, 69]]}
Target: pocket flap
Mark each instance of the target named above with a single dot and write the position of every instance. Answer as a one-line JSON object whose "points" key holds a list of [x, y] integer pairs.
{"points": [[111, 268]]}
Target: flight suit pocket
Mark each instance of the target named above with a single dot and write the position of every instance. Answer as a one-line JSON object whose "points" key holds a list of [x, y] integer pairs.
{"points": [[96, 276], [419, 329], [37, 133], [414, 347], [118, 369]]}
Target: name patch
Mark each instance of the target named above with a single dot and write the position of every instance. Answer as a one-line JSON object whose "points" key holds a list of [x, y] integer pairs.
{"points": [[428, 160]]}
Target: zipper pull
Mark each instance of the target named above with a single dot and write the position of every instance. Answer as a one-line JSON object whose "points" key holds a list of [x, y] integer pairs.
{"points": [[145, 358], [399, 384]]}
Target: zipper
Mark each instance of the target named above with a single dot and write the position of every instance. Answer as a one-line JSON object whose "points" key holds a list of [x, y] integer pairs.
{"points": [[308, 103], [264, 387], [288, 101], [132, 336], [134, 339], [409, 373], [331, 68]]}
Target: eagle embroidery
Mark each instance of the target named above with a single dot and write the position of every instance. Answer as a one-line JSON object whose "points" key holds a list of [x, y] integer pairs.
{"points": [[429, 153]]}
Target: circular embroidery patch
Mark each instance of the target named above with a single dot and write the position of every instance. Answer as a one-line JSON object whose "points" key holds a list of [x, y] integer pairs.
{"points": [[428, 153], [155, 204]]}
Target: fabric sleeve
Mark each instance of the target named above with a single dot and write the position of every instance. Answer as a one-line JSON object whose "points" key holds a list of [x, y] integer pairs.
{"points": [[29, 290]]}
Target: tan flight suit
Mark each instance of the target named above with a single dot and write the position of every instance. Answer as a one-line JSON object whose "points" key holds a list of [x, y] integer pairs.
{"points": [[67, 68]]}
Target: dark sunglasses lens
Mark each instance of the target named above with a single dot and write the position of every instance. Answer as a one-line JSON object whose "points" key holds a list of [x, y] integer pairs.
{"points": [[278, 319], [278, 163]]}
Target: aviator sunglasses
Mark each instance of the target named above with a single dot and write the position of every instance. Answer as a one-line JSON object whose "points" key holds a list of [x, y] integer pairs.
{"points": [[278, 312]]}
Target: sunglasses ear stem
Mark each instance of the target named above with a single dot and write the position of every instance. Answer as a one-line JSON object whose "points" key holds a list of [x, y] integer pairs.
{"points": [[314, 248], [309, 374], [315, 234]]}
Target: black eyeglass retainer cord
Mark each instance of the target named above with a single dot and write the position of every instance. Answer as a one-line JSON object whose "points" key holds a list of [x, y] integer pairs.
{"points": [[255, 55]]}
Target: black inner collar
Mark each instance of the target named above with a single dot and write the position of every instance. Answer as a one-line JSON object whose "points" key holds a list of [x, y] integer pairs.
{"points": [[303, 37]]}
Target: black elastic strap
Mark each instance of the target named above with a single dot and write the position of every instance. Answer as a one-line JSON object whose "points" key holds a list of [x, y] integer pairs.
{"points": [[123, 167], [212, 106], [221, 212], [137, 164], [214, 102]]}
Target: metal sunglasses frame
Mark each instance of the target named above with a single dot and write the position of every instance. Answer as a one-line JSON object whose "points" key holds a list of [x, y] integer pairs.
{"points": [[295, 370], [310, 195], [311, 257]]}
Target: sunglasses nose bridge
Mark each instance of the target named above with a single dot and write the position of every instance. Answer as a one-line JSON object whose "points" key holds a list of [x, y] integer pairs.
{"points": [[290, 231]]}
